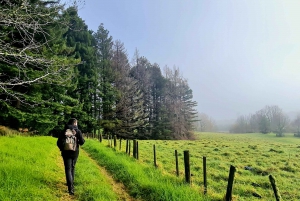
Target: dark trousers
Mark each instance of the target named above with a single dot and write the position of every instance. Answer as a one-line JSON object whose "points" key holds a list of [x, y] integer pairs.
{"points": [[70, 162]]}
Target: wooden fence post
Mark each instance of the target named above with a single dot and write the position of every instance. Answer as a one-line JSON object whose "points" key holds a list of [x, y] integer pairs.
{"points": [[187, 166], [275, 189], [137, 150], [120, 144], [134, 148], [154, 153], [100, 135], [204, 175], [230, 184], [129, 147], [108, 140], [176, 162], [115, 141]]}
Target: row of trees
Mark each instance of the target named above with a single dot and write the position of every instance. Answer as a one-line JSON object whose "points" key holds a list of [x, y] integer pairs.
{"points": [[269, 119], [53, 68]]}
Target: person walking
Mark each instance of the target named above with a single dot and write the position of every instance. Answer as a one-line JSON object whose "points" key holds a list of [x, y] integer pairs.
{"points": [[69, 156]]}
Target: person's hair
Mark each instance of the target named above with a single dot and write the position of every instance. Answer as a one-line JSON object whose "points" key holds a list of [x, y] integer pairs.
{"points": [[72, 121]]}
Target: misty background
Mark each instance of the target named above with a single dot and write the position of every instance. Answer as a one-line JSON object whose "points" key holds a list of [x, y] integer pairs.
{"points": [[238, 56]]}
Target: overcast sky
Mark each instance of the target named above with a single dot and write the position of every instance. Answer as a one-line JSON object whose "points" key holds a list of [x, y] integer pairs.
{"points": [[238, 56]]}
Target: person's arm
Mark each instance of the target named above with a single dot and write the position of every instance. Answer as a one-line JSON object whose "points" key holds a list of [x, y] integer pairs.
{"points": [[80, 137], [59, 142]]}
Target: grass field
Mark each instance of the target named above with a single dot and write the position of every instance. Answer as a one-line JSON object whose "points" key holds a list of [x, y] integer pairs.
{"points": [[31, 168], [265, 154], [143, 181]]}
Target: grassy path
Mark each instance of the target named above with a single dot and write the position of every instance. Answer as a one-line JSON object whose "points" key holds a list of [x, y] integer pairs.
{"points": [[118, 187], [32, 169], [92, 182], [61, 187]]}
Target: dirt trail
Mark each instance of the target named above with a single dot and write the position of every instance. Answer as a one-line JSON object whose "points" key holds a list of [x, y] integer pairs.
{"points": [[61, 185], [118, 187]]}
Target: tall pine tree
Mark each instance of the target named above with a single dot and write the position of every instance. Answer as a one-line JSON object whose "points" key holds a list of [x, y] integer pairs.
{"points": [[81, 39], [106, 96], [128, 112]]}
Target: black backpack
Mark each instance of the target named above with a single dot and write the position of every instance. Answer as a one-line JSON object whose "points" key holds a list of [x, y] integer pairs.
{"points": [[69, 141]]}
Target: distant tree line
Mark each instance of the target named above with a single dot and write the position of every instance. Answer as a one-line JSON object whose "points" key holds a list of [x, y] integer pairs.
{"points": [[53, 68], [205, 123], [267, 120]]}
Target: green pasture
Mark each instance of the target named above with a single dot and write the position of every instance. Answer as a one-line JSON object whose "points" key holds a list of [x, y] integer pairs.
{"points": [[142, 181], [263, 154], [31, 168]]}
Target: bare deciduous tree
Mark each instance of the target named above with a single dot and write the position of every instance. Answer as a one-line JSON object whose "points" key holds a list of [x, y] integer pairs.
{"points": [[25, 54], [205, 123], [279, 120], [269, 119]]}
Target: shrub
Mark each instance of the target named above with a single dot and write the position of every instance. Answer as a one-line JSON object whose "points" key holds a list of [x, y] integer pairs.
{"points": [[5, 131]]}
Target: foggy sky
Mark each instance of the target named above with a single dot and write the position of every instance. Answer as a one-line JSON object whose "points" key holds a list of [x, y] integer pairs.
{"points": [[238, 56]]}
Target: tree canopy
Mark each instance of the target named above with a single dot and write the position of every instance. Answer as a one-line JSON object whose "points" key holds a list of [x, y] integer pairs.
{"points": [[52, 67]]}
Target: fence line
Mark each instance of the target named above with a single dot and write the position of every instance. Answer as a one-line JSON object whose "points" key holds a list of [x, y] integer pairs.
{"points": [[228, 195]]}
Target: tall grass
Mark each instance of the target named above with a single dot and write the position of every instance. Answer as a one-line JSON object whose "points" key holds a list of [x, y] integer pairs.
{"points": [[141, 180], [27, 169], [31, 168]]}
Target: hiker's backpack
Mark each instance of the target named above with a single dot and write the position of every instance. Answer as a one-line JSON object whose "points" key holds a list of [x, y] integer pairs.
{"points": [[70, 140]]}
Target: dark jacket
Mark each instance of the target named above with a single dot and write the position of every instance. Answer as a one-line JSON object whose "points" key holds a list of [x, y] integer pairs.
{"points": [[79, 137]]}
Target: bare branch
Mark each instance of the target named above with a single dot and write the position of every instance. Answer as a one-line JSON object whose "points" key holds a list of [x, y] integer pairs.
{"points": [[23, 39]]}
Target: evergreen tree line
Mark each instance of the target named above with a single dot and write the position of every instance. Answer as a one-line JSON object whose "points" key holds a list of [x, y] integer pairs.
{"points": [[52, 68], [266, 120]]}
